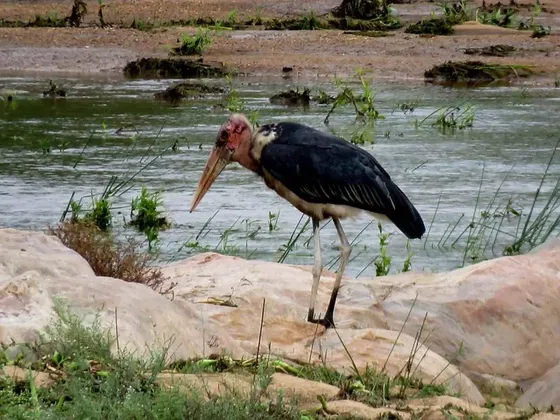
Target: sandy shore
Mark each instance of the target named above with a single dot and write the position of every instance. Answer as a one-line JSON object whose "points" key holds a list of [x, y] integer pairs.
{"points": [[402, 56]]}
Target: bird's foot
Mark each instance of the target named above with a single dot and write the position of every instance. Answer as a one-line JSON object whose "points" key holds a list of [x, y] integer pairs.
{"points": [[326, 322]]}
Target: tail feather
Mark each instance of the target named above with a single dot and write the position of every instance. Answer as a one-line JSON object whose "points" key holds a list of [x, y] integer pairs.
{"points": [[406, 217]]}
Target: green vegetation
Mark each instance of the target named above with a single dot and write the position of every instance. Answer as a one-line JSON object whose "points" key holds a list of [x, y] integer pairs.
{"points": [[146, 216], [433, 26], [92, 377], [501, 219], [193, 44], [450, 119], [364, 103], [453, 14], [108, 256]]}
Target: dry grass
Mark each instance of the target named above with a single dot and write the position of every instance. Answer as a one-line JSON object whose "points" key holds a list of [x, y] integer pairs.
{"points": [[108, 257]]}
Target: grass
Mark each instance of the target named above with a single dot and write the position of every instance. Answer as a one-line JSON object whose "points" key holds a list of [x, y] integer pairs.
{"points": [[107, 256], [93, 381], [146, 216], [500, 227], [93, 377], [193, 44], [363, 104]]}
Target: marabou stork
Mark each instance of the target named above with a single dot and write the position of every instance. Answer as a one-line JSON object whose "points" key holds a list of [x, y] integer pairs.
{"points": [[321, 175]]}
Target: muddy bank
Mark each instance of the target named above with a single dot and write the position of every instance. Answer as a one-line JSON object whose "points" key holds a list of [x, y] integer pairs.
{"points": [[310, 53]]}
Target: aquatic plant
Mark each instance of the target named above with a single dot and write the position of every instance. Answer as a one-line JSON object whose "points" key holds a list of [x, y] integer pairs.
{"points": [[146, 215], [502, 227], [193, 44], [100, 213], [364, 103], [433, 26], [79, 10]]}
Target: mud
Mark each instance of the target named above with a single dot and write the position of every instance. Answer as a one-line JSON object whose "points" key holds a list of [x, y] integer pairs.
{"points": [[172, 68], [311, 54]]}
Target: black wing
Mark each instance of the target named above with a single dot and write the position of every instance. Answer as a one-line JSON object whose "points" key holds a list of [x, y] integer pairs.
{"points": [[321, 168]]}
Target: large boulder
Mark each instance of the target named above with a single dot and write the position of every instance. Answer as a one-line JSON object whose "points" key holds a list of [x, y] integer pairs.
{"points": [[36, 269], [544, 393], [497, 317], [243, 286]]}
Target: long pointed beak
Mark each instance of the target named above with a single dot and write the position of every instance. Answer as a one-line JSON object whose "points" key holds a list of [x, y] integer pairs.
{"points": [[215, 164]]}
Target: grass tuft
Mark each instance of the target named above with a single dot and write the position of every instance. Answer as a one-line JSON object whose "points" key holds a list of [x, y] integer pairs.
{"points": [[108, 257]]}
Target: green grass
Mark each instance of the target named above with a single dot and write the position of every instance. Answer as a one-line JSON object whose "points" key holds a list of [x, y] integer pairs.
{"points": [[193, 44], [93, 381], [146, 215], [94, 378]]}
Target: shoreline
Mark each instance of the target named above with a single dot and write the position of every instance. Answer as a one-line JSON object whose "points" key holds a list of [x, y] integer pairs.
{"points": [[92, 51]]}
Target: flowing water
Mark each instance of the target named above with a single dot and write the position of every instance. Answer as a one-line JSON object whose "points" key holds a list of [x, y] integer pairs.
{"points": [[50, 149]]}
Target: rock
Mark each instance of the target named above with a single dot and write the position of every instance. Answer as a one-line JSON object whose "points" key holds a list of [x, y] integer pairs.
{"points": [[212, 277], [169, 68], [490, 384], [503, 313], [40, 379], [544, 393], [304, 390], [363, 411], [183, 90], [35, 269], [240, 384], [545, 416], [208, 384]]}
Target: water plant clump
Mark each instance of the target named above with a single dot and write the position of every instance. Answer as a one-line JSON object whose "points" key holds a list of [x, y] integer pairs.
{"points": [[475, 72], [146, 215], [54, 91], [498, 50], [183, 90], [453, 14], [193, 44], [433, 26], [171, 68], [364, 103], [292, 98]]}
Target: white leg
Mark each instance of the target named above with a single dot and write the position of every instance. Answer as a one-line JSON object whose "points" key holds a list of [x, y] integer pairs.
{"points": [[344, 257], [317, 269]]}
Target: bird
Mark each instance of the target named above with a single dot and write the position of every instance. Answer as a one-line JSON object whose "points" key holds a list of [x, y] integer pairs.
{"points": [[320, 174]]}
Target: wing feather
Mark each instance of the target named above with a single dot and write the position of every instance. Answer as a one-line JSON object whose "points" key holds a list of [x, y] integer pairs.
{"points": [[321, 168]]}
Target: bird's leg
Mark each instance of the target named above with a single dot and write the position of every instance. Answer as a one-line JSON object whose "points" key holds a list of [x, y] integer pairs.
{"points": [[317, 269], [328, 321]]}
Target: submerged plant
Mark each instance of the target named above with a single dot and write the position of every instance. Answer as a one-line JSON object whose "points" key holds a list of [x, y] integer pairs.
{"points": [[450, 118]]}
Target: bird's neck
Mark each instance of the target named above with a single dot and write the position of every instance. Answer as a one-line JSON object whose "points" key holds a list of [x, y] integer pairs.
{"points": [[244, 157]]}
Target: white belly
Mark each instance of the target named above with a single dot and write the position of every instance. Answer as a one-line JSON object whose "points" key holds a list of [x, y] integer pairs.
{"points": [[318, 211]]}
